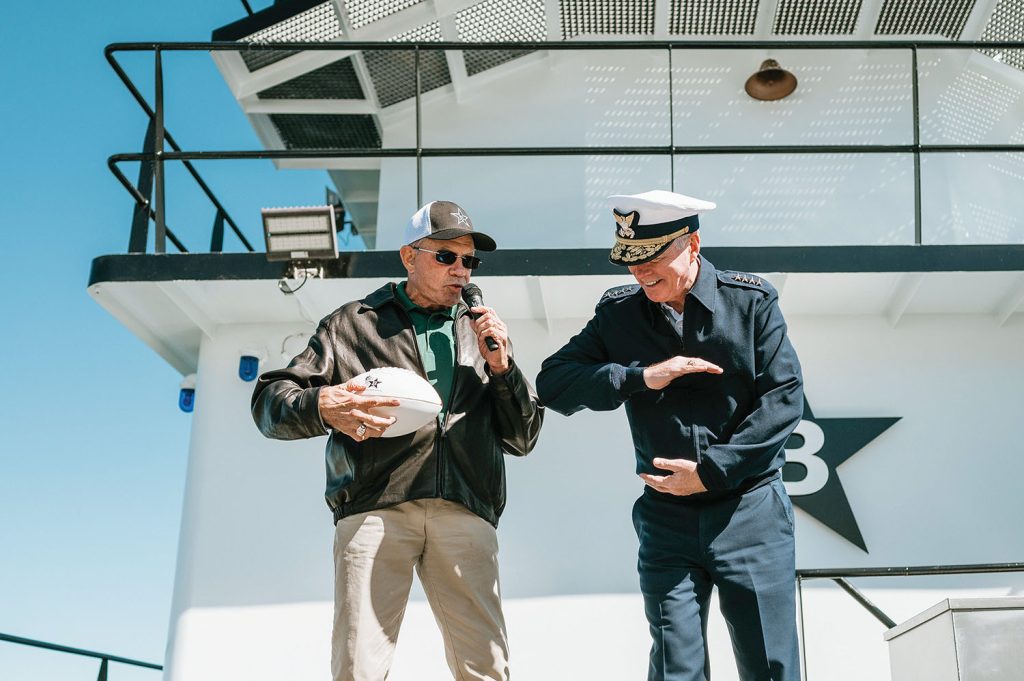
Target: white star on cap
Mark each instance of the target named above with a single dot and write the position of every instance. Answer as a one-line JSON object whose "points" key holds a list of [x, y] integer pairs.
{"points": [[461, 217]]}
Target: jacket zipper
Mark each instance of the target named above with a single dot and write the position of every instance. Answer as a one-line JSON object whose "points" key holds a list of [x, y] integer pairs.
{"points": [[448, 407], [439, 436]]}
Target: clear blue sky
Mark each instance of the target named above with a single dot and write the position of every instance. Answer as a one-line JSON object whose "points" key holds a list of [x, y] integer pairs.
{"points": [[94, 448]]}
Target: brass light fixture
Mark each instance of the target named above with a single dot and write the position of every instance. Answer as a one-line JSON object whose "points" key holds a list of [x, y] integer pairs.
{"points": [[771, 82]]}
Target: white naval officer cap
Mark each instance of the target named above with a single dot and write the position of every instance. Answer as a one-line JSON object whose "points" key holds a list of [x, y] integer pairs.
{"points": [[647, 223]]}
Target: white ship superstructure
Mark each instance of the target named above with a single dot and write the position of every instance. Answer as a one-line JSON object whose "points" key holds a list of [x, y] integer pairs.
{"points": [[883, 198]]}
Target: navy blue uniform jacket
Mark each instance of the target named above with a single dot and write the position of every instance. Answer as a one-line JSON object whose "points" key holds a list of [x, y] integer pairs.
{"points": [[735, 424]]}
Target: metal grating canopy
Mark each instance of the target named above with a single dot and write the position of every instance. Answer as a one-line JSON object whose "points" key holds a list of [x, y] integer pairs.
{"points": [[394, 73], [327, 131], [337, 80], [607, 17], [712, 17], [1006, 23], [924, 17], [498, 21], [317, 24], [364, 12], [816, 17]]}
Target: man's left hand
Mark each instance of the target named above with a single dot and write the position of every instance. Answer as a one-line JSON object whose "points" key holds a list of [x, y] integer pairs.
{"points": [[488, 324], [682, 481]]}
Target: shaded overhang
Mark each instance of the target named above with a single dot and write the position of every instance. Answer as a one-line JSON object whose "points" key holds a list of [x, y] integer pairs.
{"points": [[172, 301]]}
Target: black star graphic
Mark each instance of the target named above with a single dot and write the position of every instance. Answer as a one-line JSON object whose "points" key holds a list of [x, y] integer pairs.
{"points": [[372, 382], [843, 439]]}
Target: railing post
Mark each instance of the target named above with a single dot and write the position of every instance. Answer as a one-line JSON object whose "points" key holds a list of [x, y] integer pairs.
{"points": [[917, 147], [159, 245], [103, 670], [875, 611], [419, 132], [140, 216], [217, 239], [671, 128], [800, 612]]}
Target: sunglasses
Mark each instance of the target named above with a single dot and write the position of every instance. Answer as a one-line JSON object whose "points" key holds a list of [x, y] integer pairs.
{"points": [[470, 262]]}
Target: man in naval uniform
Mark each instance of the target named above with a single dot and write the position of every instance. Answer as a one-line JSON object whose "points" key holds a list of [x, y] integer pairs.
{"points": [[712, 388]]}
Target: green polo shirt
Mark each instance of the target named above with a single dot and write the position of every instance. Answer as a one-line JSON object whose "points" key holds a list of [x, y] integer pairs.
{"points": [[435, 336]]}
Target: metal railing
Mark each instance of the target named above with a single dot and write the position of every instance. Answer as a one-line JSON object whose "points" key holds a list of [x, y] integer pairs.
{"points": [[105, 658], [156, 155], [837, 575], [841, 575]]}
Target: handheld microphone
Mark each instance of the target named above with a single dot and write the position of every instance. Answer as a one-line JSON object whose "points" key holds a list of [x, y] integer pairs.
{"points": [[474, 298]]}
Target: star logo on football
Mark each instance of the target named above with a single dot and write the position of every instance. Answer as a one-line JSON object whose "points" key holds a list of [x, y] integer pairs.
{"points": [[372, 382], [814, 451]]}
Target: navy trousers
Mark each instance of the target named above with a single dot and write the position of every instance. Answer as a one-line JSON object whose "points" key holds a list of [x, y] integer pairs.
{"points": [[743, 546]]}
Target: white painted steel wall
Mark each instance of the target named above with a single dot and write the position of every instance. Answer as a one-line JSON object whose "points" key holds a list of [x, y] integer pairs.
{"points": [[253, 588]]}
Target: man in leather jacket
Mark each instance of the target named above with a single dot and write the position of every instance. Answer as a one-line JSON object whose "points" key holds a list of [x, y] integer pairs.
{"points": [[428, 501], [712, 387]]}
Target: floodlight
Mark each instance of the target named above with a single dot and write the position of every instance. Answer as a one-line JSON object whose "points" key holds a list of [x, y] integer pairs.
{"points": [[300, 235]]}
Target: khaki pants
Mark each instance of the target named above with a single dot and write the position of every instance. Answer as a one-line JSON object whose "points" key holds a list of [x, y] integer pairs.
{"points": [[455, 553]]}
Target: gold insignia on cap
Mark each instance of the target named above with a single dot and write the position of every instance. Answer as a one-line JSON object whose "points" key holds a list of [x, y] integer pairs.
{"points": [[632, 250], [627, 252], [625, 224]]}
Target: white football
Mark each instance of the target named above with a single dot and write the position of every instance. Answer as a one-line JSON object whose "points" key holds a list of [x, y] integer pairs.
{"points": [[419, 401]]}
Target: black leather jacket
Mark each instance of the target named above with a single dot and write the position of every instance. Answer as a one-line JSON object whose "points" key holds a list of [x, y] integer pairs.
{"points": [[460, 460]]}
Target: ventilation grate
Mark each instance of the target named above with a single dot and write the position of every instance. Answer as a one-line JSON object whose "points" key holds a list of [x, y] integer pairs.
{"points": [[337, 80], [364, 12], [499, 21], [317, 24], [816, 17], [712, 17], [394, 73], [607, 17], [924, 17], [1006, 23], [327, 131]]}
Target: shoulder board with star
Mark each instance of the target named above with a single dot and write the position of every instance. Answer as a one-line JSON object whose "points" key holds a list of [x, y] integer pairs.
{"points": [[744, 280], [618, 293]]}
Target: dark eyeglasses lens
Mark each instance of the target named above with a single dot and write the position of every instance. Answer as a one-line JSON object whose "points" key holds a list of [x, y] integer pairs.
{"points": [[470, 262], [445, 257]]}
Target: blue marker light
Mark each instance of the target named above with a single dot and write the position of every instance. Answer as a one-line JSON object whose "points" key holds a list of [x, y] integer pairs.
{"points": [[187, 399], [248, 367]]}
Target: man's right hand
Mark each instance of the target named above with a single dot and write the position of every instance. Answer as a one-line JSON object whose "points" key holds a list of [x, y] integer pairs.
{"points": [[657, 376], [344, 409]]}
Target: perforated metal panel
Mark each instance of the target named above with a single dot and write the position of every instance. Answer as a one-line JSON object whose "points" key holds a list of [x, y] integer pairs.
{"points": [[497, 21], [816, 17], [394, 73], [364, 12], [607, 17], [924, 17], [327, 131], [317, 24], [712, 17], [1006, 23], [337, 80]]}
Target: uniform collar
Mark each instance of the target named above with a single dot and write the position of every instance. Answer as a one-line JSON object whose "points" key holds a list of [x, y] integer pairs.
{"points": [[706, 286]]}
